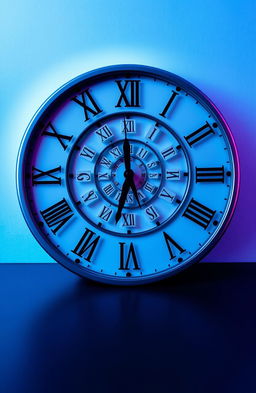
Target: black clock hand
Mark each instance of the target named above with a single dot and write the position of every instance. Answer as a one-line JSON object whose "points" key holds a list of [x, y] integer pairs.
{"points": [[134, 190], [127, 150], [125, 189]]}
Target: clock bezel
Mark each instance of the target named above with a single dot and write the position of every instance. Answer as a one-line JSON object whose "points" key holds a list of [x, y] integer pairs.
{"points": [[74, 87]]}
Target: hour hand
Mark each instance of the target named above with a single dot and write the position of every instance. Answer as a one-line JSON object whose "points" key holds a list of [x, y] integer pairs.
{"points": [[134, 190], [125, 189]]}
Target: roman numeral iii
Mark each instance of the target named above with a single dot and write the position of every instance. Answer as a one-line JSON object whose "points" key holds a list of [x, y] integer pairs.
{"points": [[199, 213], [87, 102], [209, 175], [129, 93], [86, 246], [57, 215]]}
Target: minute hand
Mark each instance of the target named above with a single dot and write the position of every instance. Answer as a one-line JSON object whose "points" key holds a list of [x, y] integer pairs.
{"points": [[127, 150]]}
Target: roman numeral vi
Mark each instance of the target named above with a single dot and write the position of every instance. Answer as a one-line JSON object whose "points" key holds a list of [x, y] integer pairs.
{"points": [[130, 258]]}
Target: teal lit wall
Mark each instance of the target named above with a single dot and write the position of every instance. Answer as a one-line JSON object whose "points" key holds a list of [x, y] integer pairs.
{"points": [[210, 43]]}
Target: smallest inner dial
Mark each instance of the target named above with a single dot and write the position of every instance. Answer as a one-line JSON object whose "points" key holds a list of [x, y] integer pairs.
{"points": [[110, 179], [128, 175]]}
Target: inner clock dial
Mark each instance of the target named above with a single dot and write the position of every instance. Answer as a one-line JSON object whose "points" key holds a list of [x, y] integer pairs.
{"points": [[96, 174]]}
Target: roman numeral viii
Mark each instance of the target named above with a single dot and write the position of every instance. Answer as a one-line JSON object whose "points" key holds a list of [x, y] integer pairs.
{"points": [[199, 213], [129, 93], [57, 215], [88, 104], [45, 177], [199, 134], [208, 175], [87, 244], [130, 258]]}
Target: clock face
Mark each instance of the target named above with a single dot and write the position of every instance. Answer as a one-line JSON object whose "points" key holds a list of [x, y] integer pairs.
{"points": [[127, 174]]}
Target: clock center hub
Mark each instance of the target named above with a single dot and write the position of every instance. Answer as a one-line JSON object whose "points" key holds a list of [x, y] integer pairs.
{"points": [[138, 172]]}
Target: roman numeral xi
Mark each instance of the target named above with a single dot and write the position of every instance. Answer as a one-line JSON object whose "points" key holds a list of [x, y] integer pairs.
{"points": [[89, 105]]}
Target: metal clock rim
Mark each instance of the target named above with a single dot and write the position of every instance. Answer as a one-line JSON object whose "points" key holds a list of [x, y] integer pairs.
{"points": [[98, 74]]}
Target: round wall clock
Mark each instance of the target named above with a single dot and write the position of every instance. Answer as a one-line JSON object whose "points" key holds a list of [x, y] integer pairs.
{"points": [[127, 174]]}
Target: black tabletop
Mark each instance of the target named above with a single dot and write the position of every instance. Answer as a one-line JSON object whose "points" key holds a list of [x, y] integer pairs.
{"points": [[192, 333]]}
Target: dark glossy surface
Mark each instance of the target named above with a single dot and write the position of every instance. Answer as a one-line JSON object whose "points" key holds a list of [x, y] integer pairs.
{"points": [[191, 333]]}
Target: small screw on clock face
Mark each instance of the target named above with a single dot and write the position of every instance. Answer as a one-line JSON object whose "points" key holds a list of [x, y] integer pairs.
{"points": [[131, 175]]}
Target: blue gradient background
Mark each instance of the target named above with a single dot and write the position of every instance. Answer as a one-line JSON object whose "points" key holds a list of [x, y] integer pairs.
{"points": [[210, 43]]}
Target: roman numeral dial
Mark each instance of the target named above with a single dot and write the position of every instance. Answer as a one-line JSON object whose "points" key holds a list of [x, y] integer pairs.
{"points": [[128, 174]]}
